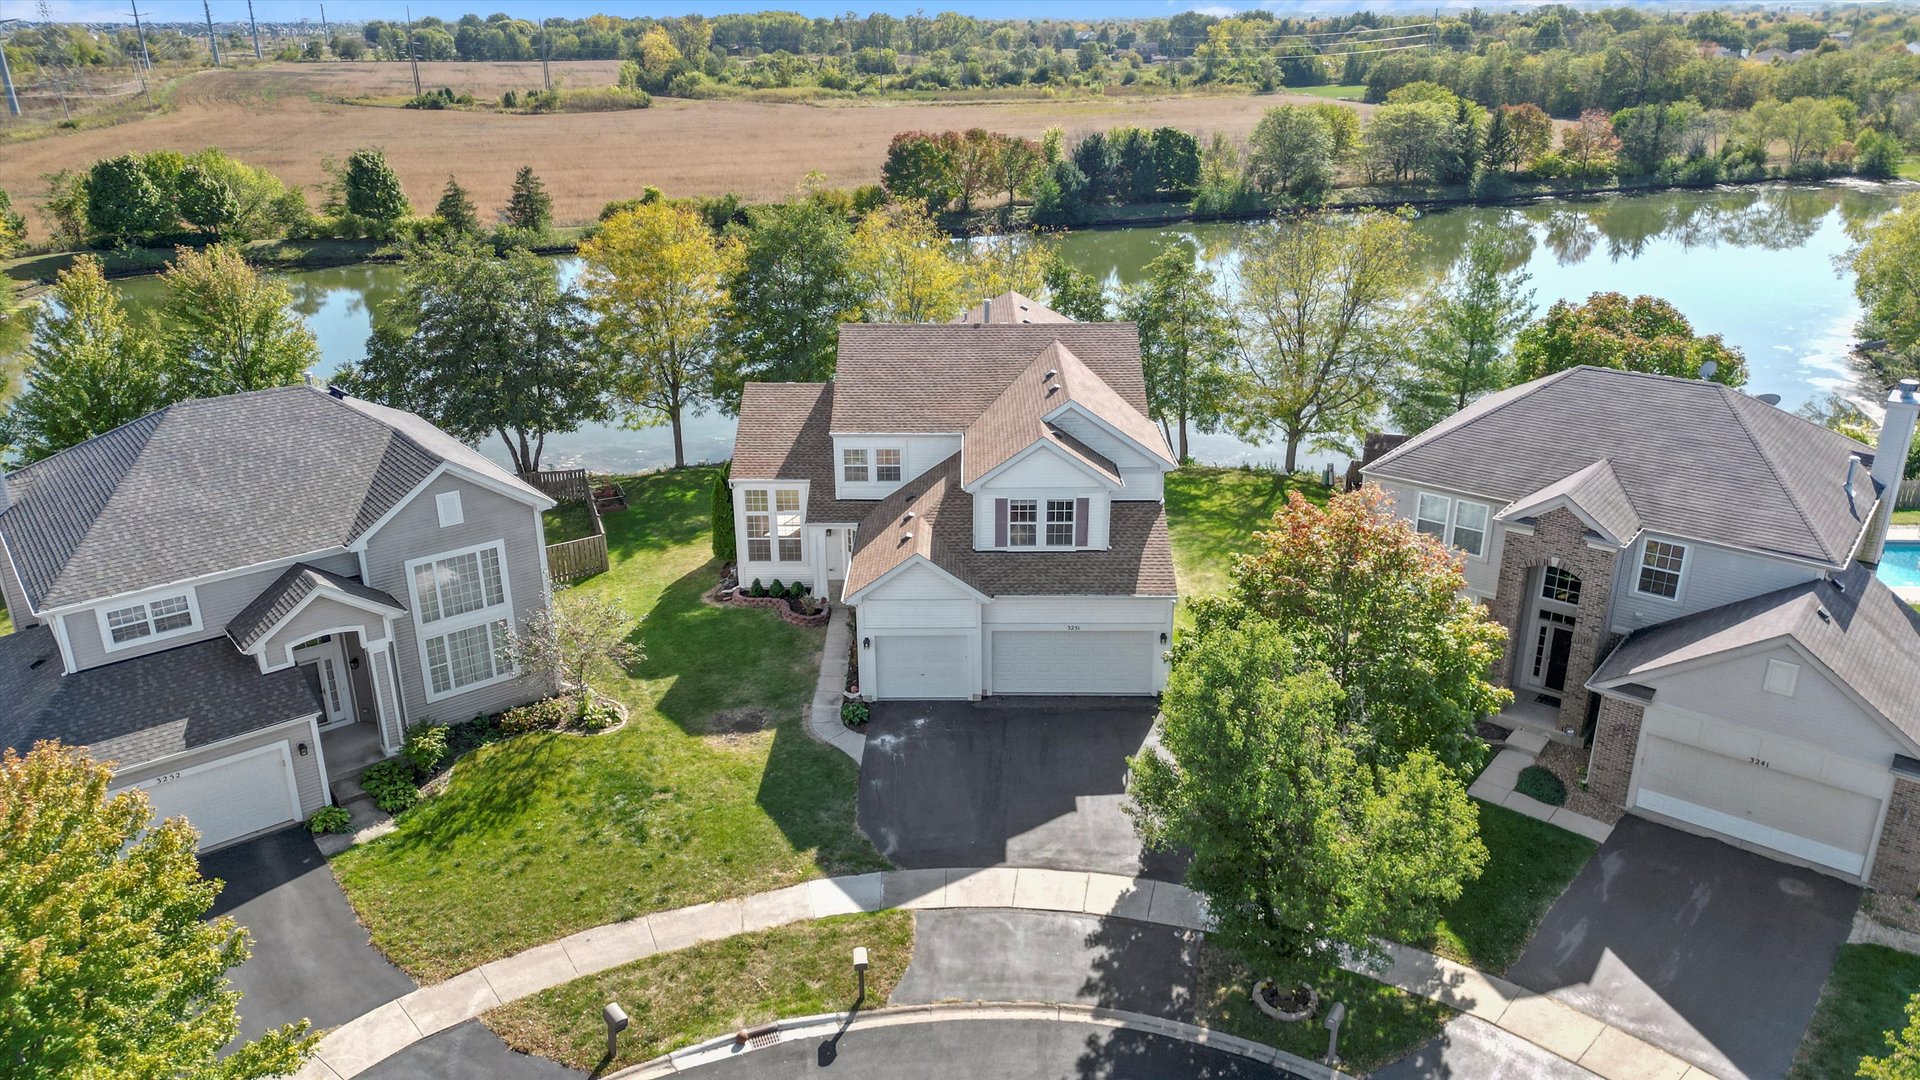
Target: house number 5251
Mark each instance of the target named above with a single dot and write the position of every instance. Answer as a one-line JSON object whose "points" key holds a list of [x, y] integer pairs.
{"points": [[1070, 626]]}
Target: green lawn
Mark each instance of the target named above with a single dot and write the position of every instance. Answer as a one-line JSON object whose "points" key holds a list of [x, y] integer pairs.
{"points": [[1355, 92], [1865, 997], [568, 521], [1529, 865], [1212, 514], [710, 989], [540, 836], [1906, 517], [1383, 1024]]}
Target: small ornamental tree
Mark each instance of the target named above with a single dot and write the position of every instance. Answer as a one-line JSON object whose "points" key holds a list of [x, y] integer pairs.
{"points": [[724, 545], [110, 966], [575, 640], [530, 207], [1379, 606], [1902, 1061], [1305, 843]]}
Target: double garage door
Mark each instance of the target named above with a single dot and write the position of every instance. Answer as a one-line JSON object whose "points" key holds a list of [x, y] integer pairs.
{"points": [[1023, 662], [1751, 801], [231, 798]]}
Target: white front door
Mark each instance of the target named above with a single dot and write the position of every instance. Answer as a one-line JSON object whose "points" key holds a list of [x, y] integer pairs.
{"points": [[328, 660]]}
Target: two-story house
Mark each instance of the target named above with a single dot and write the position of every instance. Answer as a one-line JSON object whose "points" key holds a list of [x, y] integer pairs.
{"points": [[239, 599], [1686, 577], [986, 494]]}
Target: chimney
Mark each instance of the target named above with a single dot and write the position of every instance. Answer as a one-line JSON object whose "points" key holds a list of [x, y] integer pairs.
{"points": [[986, 310], [1890, 460]]}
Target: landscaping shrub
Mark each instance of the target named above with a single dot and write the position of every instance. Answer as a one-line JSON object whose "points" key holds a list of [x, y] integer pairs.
{"points": [[797, 591], [391, 784], [424, 748], [547, 714], [1538, 781], [330, 819], [756, 589], [598, 715], [722, 533], [855, 713], [778, 588]]}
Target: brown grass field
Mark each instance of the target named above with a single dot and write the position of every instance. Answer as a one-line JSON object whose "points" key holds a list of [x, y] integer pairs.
{"points": [[276, 116]]}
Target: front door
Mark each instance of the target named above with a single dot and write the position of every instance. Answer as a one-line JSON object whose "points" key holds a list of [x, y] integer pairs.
{"points": [[1549, 638], [1552, 645], [326, 657]]}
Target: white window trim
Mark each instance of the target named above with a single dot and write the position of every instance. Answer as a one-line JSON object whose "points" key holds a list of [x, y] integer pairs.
{"points": [[773, 512], [1782, 678], [1486, 528], [1446, 514], [865, 464], [121, 603], [439, 628], [1680, 576], [872, 485], [1040, 522]]}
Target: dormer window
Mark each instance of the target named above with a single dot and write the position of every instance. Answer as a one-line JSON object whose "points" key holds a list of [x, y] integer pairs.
{"points": [[1023, 529], [1059, 522], [853, 466], [872, 464], [886, 465]]}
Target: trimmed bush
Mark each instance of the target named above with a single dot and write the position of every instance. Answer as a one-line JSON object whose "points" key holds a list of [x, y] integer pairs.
{"points": [[855, 713], [424, 748], [756, 589], [547, 714], [723, 539], [330, 819], [391, 784], [1538, 782]]}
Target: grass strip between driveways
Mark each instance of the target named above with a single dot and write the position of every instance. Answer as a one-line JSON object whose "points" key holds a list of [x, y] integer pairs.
{"points": [[1865, 997], [676, 999], [712, 790], [1529, 864], [1383, 1023]]}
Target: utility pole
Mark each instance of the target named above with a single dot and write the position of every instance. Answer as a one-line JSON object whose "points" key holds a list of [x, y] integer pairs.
{"points": [[6, 75], [212, 45], [146, 61], [326, 36], [251, 21], [546, 54], [413, 55]]}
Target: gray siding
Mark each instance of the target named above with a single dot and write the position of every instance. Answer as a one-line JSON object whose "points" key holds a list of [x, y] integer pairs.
{"points": [[10, 592], [1712, 576], [306, 770], [1483, 573], [415, 532], [219, 602], [324, 615]]}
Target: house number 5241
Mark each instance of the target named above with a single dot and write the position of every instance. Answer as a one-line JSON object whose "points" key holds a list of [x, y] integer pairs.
{"points": [[1763, 763]]}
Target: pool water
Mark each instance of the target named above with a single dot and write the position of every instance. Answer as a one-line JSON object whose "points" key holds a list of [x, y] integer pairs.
{"points": [[1900, 565]]}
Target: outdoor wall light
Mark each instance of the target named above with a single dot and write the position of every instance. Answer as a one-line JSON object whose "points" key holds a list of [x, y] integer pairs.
{"points": [[1163, 637], [866, 643], [303, 749]]}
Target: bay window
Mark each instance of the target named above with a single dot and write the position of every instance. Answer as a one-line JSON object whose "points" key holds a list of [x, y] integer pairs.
{"points": [[773, 518]]}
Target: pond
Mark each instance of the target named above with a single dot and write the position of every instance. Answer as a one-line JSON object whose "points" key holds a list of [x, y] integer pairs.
{"points": [[1762, 266]]}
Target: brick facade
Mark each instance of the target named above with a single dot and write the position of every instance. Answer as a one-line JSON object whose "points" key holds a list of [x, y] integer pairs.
{"points": [[1896, 865], [1560, 538], [1616, 735]]}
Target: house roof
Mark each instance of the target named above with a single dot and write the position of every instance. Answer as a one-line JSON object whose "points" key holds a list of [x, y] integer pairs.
{"points": [[910, 377], [1691, 458], [785, 433], [1010, 307], [1018, 417], [1851, 622], [1138, 559], [277, 601], [213, 484], [1597, 492], [148, 707]]}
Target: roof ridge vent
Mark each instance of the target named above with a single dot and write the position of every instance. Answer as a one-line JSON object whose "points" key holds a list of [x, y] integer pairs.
{"points": [[1051, 372], [906, 517]]}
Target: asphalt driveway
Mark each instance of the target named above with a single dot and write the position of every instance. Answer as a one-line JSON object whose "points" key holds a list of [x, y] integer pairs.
{"points": [[1012, 781], [311, 957], [1710, 952]]}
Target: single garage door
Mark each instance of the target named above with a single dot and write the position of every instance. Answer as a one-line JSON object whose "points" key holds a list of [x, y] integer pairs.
{"points": [[1075, 661], [916, 666], [1803, 818], [236, 797]]}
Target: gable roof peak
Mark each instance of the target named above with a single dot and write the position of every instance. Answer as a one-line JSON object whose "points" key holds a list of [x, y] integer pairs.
{"points": [[1010, 307]]}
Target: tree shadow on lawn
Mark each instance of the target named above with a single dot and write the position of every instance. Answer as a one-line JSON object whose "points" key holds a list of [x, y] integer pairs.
{"points": [[714, 658], [665, 510]]}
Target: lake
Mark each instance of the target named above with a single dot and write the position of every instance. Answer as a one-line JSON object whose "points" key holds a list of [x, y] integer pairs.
{"points": [[1761, 266]]}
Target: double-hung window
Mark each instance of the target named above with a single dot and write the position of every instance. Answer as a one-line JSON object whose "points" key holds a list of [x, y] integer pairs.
{"points": [[786, 506], [759, 525], [1023, 529], [886, 465], [1470, 527], [1430, 514], [158, 617], [1059, 522], [853, 466], [1661, 564], [460, 602]]}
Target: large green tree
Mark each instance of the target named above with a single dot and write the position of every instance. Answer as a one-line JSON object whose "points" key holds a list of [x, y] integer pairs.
{"points": [[1307, 844], [370, 190], [485, 345], [226, 328], [1073, 292], [111, 968], [1641, 333], [786, 297], [126, 201], [1291, 153], [1469, 323], [1886, 268], [89, 367], [1186, 343]]}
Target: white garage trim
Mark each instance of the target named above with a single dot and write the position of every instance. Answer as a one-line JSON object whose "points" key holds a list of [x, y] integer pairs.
{"points": [[1800, 847], [939, 666], [277, 750], [1065, 659]]}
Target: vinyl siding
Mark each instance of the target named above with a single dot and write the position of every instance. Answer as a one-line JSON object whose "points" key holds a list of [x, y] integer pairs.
{"points": [[13, 596], [1712, 576], [415, 532], [767, 572], [1483, 573], [919, 453], [1042, 475], [322, 616], [1143, 475], [219, 602], [306, 770], [920, 599]]}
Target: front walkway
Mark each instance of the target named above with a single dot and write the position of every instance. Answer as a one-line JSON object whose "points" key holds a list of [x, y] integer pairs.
{"points": [[1495, 785], [373, 1037], [823, 716]]}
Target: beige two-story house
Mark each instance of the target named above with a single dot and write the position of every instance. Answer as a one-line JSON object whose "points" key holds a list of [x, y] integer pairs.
{"points": [[986, 494], [240, 599]]}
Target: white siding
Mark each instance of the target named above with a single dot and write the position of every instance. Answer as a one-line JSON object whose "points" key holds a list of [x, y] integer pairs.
{"points": [[1142, 474], [415, 532], [219, 602], [1042, 475], [1712, 576], [918, 454], [917, 600]]}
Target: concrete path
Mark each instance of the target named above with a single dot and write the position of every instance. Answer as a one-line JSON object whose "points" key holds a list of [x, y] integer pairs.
{"points": [[1495, 785], [362, 1043], [823, 716], [1469, 1048]]}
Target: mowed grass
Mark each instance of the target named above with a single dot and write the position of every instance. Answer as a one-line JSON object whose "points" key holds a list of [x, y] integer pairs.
{"points": [[1352, 92], [1529, 864], [1865, 997], [679, 998], [1906, 517], [1383, 1024], [571, 520], [1212, 514], [542, 835]]}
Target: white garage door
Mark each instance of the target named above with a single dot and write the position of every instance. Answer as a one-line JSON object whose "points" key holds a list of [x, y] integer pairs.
{"points": [[1790, 814], [914, 666], [231, 798], [1075, 661]]}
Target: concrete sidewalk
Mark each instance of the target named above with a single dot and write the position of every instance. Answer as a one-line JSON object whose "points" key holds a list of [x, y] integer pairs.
{"points": [[830, 692], [360, 1044], [1495, 785]]}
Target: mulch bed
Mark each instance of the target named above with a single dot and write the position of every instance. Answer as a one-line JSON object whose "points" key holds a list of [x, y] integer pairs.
{"points": [[1566, 762]]}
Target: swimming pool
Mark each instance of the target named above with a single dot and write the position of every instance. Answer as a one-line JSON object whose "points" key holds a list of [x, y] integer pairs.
{"points": [[1900, 565]]}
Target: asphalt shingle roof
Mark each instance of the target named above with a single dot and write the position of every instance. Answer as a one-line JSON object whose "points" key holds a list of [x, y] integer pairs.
{"points": [[1693, 459], [1010, 307], [785, 433], [148, 707], [1852, 622], [1596, 489], [278, 600], [208, 485]]}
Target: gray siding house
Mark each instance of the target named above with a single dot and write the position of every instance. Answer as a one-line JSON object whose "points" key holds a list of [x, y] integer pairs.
{"points": [[239, 600], [1686, 575]]}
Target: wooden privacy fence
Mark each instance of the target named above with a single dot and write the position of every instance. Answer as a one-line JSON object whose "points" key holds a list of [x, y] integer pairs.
{"points": [[1908, 497], [573, 560]]}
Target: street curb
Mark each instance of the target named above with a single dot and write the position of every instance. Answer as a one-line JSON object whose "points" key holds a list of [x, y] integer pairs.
{"points": [[725, 1047]]}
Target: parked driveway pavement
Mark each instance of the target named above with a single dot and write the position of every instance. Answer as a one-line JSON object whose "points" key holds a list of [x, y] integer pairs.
{"points": [[1019, 782], [1469, 1048], [1710, 952], [311, 957]]}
